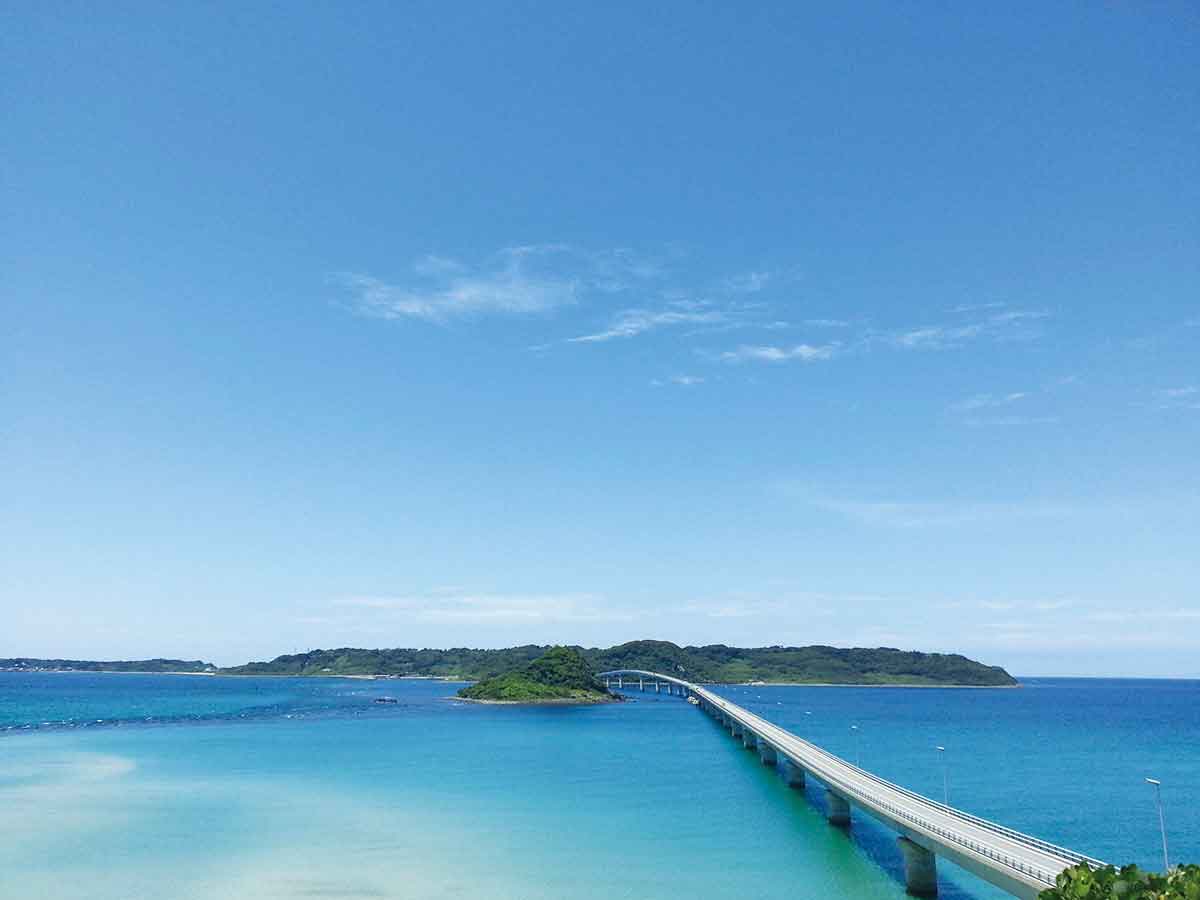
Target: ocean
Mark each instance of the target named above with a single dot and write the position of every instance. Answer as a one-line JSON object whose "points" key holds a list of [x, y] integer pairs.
{"points": [[117, 787]]}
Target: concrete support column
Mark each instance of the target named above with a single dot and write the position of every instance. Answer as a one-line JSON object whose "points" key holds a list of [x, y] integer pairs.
{"points": [[839, 808], [766, 753], [658, 687], [749, 739], [793, 775], [620, 683], [920, 869], [641, 684]]}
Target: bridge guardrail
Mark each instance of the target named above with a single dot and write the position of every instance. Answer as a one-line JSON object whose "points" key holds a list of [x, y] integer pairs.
{"points": [[760, 725], [865, 799], [1012, 834]]}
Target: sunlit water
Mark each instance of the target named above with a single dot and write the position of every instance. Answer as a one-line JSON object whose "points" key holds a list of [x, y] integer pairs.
{"points": [[131, 786]]}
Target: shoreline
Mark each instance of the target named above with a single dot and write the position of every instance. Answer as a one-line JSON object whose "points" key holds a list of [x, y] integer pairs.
{"points": [[845, 684], [556, 701], [452, 680], [99, 672]]}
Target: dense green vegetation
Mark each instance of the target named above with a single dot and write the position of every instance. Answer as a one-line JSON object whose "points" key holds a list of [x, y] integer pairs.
{"points": [[1129, 883], [712, 663], [25, 664], [458, 663], [559, 674]]}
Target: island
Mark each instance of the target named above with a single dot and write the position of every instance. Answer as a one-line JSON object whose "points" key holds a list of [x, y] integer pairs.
{"points": [[712, 663], [129, 666], [560, 675], [709, 664]]}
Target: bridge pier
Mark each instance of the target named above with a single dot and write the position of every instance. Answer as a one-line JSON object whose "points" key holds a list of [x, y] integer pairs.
{"points": [[766, 753], [658, 687], [839, 808], [920, 869], [641, 684], [749, 739], [793, 775]]}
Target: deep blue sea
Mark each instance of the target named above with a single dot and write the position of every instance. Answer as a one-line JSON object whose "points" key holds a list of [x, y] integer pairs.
{"points": [[146, 786]]}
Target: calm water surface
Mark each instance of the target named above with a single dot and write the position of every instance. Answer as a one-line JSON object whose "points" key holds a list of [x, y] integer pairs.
{"points": [[142, 786]]}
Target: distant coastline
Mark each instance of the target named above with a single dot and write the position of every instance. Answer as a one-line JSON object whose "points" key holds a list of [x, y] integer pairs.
{"points": [[450, 679], [812, 666]]}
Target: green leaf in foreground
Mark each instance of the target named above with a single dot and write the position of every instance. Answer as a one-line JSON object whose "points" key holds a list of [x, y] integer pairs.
{"points": [[1082, 882]]}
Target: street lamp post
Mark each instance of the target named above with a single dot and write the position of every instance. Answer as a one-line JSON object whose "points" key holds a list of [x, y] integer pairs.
{"points": [[1162, 824], [941, 751], [857, 747]]}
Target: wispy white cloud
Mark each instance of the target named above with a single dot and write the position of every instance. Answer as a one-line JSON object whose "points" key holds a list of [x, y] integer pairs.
{"points": [[923, 515], [977, 307], [935, 336], [519, 280], [1003, 325], [988, 401], [1009, 421], [1009, 325], [748, 282], [1064, 381], [1186, 397], [630, 323], [1052, 605], [1019, 315], [1144, 615], [801, 352], [681, 380], [483, 608], [770, 606], [1031, 606], [904, 514]]}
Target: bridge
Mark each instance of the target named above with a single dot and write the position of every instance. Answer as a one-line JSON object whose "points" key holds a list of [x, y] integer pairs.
{"points": [[1017, 863]]}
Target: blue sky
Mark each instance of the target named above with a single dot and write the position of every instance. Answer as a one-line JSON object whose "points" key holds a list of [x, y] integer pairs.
{"points": [[432, 324]]}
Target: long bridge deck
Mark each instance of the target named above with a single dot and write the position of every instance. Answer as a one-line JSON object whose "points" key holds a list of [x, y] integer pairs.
{"points": [[1015, 862]]}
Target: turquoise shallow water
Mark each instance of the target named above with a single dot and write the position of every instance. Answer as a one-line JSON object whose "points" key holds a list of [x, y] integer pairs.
{"points": [[125, 786]]}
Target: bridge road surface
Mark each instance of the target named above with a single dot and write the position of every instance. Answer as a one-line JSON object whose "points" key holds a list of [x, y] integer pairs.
{"points": [[1017, 863]]}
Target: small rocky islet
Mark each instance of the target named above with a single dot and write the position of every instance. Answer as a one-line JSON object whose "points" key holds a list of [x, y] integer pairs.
{"points": [[559, 676]]}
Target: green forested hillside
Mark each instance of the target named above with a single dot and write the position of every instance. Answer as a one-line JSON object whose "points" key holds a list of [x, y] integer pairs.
{"points": [[28, 664], [712, 663]]}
